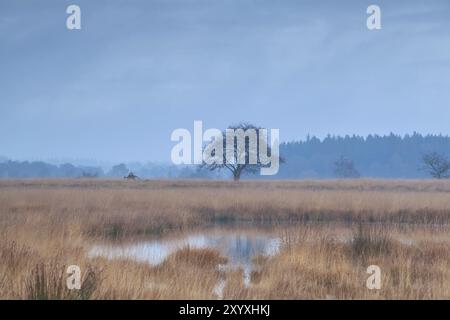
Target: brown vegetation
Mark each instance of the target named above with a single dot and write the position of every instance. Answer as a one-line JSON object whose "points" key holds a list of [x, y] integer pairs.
{"points": [[48, 225]]}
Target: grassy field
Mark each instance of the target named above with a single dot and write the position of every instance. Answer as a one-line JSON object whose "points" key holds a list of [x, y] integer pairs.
{"points": [[46, 225]]}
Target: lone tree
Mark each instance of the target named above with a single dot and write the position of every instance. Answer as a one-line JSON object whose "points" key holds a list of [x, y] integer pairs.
{"points": [[345, 168], [436, 164], [246, 156]]}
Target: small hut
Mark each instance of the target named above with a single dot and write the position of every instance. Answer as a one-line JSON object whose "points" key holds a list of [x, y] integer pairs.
{"points": [[131, 176]]}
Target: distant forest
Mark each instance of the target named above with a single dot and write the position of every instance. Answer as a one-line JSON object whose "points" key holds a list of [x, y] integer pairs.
{"points": [[389, 156]]}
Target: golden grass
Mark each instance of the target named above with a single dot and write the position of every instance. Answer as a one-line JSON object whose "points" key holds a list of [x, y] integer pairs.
{"points": [[46, 225]]}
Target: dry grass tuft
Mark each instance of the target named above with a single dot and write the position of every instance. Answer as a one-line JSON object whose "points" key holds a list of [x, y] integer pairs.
{"points": [[47, 281]]}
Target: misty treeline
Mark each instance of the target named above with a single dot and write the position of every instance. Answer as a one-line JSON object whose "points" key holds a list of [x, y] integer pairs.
{"points": [[40, 169], [389, 156]]}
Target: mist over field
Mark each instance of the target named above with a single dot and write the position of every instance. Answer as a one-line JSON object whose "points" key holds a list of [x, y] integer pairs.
{"points": [[373, 156]]}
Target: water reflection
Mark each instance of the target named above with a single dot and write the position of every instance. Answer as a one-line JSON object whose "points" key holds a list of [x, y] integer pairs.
{"points": [[238, 247], [241, 244]]}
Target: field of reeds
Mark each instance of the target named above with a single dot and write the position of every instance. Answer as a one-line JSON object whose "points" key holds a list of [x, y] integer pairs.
{"points": [[330, 231]]}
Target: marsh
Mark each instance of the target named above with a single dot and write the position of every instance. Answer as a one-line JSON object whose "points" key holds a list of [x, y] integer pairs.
{"points": [[220, 239]]}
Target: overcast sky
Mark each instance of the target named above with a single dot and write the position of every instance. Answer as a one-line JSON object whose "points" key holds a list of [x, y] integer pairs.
{"points": [[137, 70]]}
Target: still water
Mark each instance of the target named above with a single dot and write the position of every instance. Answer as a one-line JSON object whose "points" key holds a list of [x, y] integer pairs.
{"points": [[239, 247]]}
